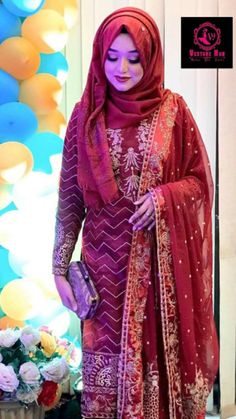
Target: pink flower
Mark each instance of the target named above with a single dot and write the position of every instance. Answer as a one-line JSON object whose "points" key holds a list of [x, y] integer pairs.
{"points": [[8, 337], [56, 370], [30, 337], [29, 373], [8, 379]]}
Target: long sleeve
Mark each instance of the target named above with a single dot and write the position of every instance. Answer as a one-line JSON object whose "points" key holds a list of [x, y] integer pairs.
{"points": [[71, 209]]}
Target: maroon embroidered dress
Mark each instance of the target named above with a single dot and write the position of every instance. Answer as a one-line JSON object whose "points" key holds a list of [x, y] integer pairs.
{"points": [[140, 355]]}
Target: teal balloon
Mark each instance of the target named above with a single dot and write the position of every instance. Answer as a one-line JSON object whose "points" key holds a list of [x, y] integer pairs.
{"points": [[17, 122], [55, 64], [9, 88], [10, 25], [23, 7], [43, 145], [6, 272]]}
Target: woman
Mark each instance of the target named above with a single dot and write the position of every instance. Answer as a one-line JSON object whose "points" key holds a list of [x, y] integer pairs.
{"points": [[136, 171]]}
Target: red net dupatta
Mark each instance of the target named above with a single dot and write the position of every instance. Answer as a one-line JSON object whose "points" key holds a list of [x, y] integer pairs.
{"points": [[176, 171]]}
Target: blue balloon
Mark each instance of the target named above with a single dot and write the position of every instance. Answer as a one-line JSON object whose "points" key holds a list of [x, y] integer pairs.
{"points": [[54, 64], [43, 145], [10, 25], [6, 272], [9, 88], [23, 7], [17, 122]]}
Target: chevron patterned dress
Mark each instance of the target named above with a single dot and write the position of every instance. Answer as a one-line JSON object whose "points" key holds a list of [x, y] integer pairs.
{"points": [[106, 244]]}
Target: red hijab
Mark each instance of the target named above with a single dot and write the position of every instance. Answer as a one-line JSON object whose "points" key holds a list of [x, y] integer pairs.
{"points": [[103, 106]]}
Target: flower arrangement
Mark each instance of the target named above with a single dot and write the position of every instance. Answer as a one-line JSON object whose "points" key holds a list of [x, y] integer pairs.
{"points": [[33, 365]]}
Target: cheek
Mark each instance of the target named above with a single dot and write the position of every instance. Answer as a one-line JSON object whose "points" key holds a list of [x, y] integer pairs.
{"points": [[138, 72], [108, 69]]}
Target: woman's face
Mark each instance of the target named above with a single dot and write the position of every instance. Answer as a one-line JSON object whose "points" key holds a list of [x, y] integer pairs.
{"points": [[122, 67]]}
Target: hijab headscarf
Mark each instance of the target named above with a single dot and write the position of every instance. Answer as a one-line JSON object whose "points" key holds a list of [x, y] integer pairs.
{"points": [[103, 106]]}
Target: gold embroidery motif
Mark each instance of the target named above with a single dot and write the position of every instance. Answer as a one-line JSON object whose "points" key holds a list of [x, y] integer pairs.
{"points": [[99, 385], [130, 379], [198, 393], [131, 160], [63, 250], [168, 305]]}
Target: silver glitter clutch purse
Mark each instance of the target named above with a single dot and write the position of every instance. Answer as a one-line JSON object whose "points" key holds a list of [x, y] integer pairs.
{"points": [[84, 290]]}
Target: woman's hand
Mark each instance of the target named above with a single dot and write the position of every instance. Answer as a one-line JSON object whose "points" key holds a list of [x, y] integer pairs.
{"points": [[65, 291], [145, 215]]}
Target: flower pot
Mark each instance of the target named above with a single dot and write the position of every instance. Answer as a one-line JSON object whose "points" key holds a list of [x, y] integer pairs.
{"points": [[14, 410]]}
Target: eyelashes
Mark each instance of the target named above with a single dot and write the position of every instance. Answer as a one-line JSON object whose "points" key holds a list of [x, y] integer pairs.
{"points": [[131, 60]]}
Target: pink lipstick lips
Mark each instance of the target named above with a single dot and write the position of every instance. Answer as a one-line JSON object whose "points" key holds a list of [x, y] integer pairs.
{"points": [[122, 79]]}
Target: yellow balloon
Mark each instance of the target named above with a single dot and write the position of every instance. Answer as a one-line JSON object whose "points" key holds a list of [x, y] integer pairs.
{"points": [[21, 299], [16, 161], [6, 322], [42, 92], [46, 30], [5, 196], [67, 8], [53, 122], [19, 57]]}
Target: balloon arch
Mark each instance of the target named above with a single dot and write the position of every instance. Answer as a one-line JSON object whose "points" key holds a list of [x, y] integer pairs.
{"points": [[32, 72]]}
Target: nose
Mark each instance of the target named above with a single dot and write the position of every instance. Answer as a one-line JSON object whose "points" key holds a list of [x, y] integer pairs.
{"points": [[123, 65]]}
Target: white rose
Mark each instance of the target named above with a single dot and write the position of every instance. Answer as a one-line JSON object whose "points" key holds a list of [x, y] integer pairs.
{"points": [[56, 370], [28, 396], [8, 337], [30, 337], [8, 378], [29, 373]]}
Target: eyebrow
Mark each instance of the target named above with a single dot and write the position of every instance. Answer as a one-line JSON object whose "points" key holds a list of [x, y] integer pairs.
{"points": [[115, 50]]}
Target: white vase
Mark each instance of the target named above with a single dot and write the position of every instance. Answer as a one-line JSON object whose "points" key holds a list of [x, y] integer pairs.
{"points": [[14, 410]]}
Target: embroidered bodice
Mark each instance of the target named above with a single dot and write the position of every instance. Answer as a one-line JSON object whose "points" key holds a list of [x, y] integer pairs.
{"points": [[127, 148]]}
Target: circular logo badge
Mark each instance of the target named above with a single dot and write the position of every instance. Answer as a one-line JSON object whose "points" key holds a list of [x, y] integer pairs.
{"points": [[207, 36]]}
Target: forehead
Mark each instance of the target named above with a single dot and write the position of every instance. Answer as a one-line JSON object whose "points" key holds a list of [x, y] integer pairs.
{"points": [[123, 42]]}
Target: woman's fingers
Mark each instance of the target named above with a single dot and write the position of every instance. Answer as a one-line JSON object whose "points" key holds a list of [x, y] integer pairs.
{"points": [[152, 225], [144, 220], [144, 215], [146, 206]]}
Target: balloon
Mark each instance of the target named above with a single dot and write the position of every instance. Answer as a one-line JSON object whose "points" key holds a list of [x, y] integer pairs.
{"points": [[54, 64], [46, 30], [53, 122], [43, 145], [42, 92], [9, 225], [19, 57], [21, 299], [16, 161], [52, 309], [33, 189], [6, 272], [6, 322], [17, 121], [67, 8], [9, 88], [9, 25], [5, 195], [23, 7]]}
